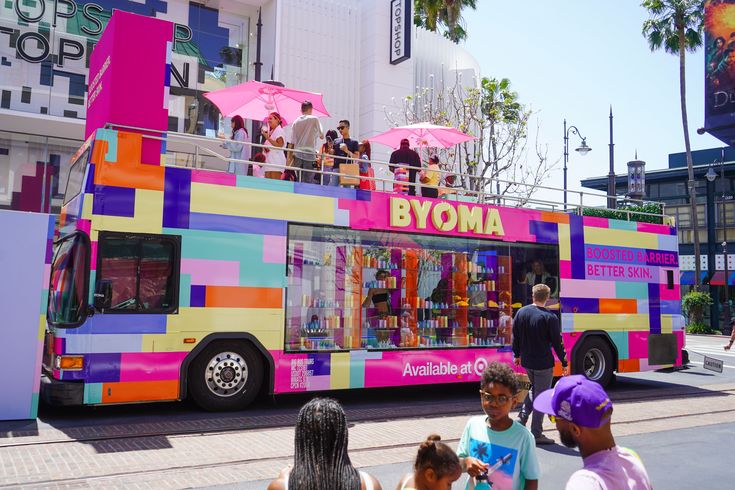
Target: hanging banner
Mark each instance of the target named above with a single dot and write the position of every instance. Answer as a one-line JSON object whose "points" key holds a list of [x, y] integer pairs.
{"points": [[719, 38]]}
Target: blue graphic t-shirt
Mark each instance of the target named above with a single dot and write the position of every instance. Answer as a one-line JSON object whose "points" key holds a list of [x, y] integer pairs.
{"points": [[513, 450]]}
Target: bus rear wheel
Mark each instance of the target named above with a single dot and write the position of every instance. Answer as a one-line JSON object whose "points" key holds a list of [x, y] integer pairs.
{"points": [[225, 376], [594, 359]]}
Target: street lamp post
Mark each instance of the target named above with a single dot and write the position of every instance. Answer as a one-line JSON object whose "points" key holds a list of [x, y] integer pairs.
{"points": [[726, 305], [711, 176], [583, 149]]}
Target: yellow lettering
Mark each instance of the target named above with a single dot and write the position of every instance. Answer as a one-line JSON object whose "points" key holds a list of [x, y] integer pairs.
{"points": [[421, 211], [493, 225], [437, 217], [470, 218], [400, 215]]}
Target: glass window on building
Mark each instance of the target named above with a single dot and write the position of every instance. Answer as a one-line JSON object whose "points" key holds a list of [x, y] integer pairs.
{"points": [[34, 171], [350, 289]]}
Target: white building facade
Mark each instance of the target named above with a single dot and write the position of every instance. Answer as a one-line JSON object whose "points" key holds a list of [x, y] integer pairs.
{"points": [[340, 48]]}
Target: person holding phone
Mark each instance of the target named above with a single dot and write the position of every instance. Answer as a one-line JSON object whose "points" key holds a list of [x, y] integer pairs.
{"points": [[274, 139]]}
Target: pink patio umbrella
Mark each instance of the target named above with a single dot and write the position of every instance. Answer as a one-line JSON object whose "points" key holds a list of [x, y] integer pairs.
{"points": [[422, 135], [255, 100]]}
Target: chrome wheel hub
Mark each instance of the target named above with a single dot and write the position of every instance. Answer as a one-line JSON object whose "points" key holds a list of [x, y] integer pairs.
{"points": [[594, 364], [226, 374]]}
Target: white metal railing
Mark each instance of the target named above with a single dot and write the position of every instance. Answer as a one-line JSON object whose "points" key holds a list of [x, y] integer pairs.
{"points": [[480, 192]]}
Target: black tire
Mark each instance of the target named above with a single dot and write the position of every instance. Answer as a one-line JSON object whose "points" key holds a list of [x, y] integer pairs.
{"points": [[227, 375], [594, 359], [684, 357]]}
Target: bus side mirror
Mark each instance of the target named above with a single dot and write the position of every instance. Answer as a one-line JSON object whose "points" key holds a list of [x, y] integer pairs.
{"points": [[103, 295]]}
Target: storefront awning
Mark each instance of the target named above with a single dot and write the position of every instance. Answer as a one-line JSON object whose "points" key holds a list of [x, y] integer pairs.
{"points": [[687, 277], [719, 279]]}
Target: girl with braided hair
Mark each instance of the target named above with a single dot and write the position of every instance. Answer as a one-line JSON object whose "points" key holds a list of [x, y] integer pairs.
{"points": [[436, 467], [321, 460]]}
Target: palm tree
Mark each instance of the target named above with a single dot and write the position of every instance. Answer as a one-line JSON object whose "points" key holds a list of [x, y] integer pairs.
{"points": [[444, 14], [676, 26]]}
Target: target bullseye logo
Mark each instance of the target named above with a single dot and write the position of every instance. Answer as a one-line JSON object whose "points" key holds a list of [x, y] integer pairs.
{"points": [[480, 365]]}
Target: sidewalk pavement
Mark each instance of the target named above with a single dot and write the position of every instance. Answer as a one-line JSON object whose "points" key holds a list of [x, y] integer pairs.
{"points": [[194, 460]]}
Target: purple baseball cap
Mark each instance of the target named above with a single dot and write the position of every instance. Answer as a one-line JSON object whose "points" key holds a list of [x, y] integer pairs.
{"points": [[577, 400]]}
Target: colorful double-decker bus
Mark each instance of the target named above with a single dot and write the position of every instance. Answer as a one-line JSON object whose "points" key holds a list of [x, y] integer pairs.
{"points": [[170, 282]]}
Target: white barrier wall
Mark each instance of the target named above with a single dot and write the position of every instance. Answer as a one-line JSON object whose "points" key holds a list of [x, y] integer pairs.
{"points": [[25, 255]]}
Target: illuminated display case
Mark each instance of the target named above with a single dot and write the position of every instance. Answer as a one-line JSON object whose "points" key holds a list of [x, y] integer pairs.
{"points": [[349, 289]]}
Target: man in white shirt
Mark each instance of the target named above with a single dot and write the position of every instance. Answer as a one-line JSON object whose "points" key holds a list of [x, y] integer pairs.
{"points": [[304, 131]]}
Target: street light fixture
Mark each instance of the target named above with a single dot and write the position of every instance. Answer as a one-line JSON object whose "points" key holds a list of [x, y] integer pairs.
{"points": [[711, 175], [583, 149]]}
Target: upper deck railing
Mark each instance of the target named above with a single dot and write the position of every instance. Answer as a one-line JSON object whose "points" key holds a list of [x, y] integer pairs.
{"points": [[201, 152]]}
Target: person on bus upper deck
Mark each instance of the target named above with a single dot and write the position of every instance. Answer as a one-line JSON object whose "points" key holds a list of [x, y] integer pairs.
{"points": [[365, 167], [430, 176], [326, 159], [275, 140], [406, 157], [320, 457], [238, 150], [304, 131], [344, 146], [535, 331]]}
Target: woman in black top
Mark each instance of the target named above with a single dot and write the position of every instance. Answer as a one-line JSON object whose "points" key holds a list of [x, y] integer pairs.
{"points": [[379, 296]]}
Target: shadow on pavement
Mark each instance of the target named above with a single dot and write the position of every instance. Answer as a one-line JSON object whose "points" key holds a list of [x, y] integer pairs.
{"points": [[558, 449], [108, 427], [18, 428]]}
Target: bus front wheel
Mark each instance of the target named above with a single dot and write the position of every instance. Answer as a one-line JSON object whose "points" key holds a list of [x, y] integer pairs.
{"points": [[594, 359], [226, 375]]}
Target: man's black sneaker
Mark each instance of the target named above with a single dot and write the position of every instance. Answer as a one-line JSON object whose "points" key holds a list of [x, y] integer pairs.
{"points": [[543, 440]]}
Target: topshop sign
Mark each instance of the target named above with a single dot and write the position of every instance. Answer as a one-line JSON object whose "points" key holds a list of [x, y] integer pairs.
{"points": [[400, 31]]}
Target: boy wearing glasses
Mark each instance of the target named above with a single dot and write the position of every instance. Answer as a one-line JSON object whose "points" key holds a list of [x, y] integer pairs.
{"points": [[494, 449]]}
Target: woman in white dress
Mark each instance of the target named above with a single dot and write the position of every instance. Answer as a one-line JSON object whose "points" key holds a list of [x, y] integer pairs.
{"points": [[275, 140]]}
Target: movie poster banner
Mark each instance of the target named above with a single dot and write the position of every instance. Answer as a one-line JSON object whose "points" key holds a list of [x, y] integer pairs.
{"points": [[719, 39]]}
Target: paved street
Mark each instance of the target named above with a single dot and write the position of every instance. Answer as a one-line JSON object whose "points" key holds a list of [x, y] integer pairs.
{"points": [[666, 416]]}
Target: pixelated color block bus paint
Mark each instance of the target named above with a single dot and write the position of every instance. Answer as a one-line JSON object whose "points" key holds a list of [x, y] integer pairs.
{"points": [[24, 261], [615, 276]]}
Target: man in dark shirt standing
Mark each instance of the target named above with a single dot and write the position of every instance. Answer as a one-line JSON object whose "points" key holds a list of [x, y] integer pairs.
{"points": [[535, 331], [406, 157], [344, 146]]}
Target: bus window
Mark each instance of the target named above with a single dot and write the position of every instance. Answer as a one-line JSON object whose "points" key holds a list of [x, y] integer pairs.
{"points": [[137, 273], [670, 279], [68, 286], [351, 289]]}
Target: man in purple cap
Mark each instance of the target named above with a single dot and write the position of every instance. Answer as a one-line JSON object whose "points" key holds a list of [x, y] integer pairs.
{"points": [[581, 410], [407, 158]]}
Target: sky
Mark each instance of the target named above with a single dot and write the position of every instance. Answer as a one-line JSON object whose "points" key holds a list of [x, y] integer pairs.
{"points": [[573, 59]]}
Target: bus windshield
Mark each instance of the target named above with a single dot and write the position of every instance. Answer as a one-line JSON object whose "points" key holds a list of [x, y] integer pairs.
{"points": [[76, 178], [68, 288]]}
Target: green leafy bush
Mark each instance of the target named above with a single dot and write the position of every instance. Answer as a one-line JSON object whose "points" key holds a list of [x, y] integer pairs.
{"points": [[700, 328], [621, 214], [695, 303]]}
